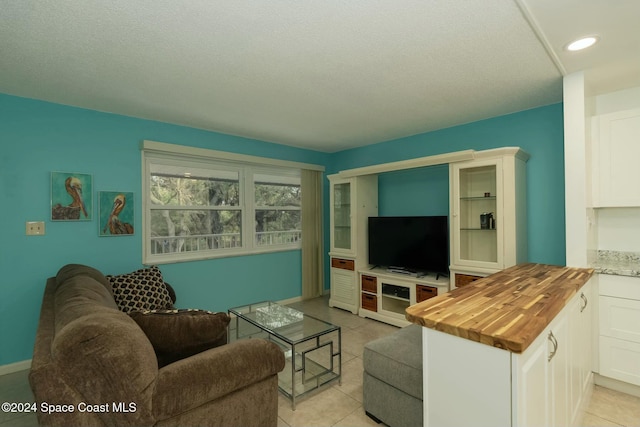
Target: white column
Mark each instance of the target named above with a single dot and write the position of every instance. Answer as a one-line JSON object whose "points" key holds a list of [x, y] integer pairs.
{"points": [[575, 169]]}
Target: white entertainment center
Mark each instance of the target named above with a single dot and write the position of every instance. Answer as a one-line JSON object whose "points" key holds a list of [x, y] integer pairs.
{"points": [[481, 182]]}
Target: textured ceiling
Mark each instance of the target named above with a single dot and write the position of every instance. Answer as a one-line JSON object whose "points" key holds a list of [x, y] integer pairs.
{"points": [[324, 75]]}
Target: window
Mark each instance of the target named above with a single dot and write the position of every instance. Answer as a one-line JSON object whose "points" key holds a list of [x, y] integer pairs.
{"points": [[277, 209], [198, 208]]}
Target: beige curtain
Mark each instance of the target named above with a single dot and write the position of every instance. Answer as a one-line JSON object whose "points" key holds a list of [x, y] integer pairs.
{"points": [[312, 246]]}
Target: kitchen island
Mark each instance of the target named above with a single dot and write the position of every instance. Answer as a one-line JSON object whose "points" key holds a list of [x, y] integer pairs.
{"points": [[509, 349]]}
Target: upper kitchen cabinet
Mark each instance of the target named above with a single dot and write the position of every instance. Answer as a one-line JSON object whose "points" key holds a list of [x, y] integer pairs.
{"points": [[488, 214], [615, 154]]}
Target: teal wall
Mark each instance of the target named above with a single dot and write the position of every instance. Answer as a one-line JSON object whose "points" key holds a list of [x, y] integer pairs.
{"points": [[538, 131], [423, 191], [39, 137]]}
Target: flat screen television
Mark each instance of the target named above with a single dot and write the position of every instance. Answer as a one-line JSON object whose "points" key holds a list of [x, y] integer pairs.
{"points": [[413, 243]]}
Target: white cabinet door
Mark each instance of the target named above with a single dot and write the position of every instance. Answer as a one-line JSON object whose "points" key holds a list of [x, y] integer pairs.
{"points": [[342, 204], [477, 192], [344, 292], [559, 351], [580, 346], [620, 359], [619, 321], [616, 151], [549, 376], [533, 406]]}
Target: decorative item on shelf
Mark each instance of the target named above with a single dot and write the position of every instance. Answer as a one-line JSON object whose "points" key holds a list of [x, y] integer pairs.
{"points": [[487, 220], [116, 213], [487, 194], [71, 196]]}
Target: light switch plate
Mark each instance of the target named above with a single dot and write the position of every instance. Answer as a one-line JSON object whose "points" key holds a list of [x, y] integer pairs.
{"points": [[35, 228]]}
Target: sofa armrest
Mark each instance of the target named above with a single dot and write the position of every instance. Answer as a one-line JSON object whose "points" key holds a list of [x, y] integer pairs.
{"points": [[206, 376]]}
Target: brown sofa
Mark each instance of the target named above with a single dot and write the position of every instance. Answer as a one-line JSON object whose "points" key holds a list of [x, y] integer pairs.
{"points": [[95, 359]]}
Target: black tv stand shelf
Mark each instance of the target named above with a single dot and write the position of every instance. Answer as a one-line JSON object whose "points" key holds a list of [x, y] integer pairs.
{"points": [[401, 292]]}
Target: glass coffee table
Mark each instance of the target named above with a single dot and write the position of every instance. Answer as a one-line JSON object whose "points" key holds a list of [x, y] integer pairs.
{"points": [[312, 347]]}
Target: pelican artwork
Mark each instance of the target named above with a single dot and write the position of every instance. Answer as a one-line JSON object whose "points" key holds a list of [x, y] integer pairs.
{"points": [[114, 224], [73, 186]]}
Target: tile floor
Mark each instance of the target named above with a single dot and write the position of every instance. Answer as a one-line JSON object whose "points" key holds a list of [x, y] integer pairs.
{"points": [[341, 405]]}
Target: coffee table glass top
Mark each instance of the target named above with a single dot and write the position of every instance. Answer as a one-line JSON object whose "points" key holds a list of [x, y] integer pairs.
{"points": [[286, 323]]}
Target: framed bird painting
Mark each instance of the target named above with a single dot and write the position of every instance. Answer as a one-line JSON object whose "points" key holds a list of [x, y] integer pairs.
{"points": [[71, 196], [116, 213]]}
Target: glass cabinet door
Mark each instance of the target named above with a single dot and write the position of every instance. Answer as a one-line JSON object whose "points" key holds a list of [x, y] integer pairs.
{"points": [[342, 216], [478, 213]]}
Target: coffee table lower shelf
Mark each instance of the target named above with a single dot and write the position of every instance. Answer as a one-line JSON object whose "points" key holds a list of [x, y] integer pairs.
{"points": [[309, 376]]}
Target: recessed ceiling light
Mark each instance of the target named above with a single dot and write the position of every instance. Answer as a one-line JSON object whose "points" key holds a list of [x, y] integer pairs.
{"points": [[582, 43]]}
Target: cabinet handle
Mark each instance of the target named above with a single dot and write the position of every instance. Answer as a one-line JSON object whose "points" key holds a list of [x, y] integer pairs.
{"points": [[554, 341], [586, 302]]}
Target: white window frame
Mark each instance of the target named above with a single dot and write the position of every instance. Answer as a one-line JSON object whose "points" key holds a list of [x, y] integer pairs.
{"points": [[247, 165]]}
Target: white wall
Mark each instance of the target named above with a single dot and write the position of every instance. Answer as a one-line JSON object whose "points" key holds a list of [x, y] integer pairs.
{"points": [[619, 229]]}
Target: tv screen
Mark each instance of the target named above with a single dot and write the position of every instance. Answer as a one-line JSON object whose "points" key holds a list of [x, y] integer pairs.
{"points": [[414, 243]]}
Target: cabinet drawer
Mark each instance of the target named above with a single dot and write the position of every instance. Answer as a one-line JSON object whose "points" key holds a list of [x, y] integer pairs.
{"points": [[425, 292], [619, 286], [345, 264], [465, 279], [369, 302], [620, 318], [369, 284]]}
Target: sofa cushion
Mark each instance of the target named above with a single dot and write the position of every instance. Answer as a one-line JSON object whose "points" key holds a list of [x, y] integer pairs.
{"points": [[396, 359], [142, 289], [177, 334]]}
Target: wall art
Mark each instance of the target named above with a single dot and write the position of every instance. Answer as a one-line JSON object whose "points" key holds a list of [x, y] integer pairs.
{"points": [[116, 213], [71, 196]]}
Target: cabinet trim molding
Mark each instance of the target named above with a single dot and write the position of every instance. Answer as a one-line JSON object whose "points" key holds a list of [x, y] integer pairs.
{"points": [[438, 159]]}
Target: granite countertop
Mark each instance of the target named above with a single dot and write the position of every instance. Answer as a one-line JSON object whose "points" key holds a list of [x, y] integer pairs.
{"points": [[617, 263], [508, 309]]}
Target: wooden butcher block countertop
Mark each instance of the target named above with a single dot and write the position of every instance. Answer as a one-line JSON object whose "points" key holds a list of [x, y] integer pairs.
{"points": [[508, 309]]}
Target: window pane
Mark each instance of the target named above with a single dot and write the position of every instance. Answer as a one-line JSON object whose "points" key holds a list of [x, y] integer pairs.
{"points": [[194, 230], [178, 190], [277, 227], [277, 194]]}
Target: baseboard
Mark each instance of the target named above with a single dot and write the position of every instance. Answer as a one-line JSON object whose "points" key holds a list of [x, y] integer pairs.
{"points": [[15, 367], [289, 300], [297, 299], [616, 385]]}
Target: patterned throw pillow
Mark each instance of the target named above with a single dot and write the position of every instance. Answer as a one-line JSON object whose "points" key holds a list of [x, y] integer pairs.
{"points": [[142, 289]]}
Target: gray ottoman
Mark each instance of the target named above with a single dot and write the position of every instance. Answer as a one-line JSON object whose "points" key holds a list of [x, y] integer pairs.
{"points": [[392, 384]]}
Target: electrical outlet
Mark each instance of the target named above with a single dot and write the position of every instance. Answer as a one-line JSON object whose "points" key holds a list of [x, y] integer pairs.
{"points": [[35, 228]]}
